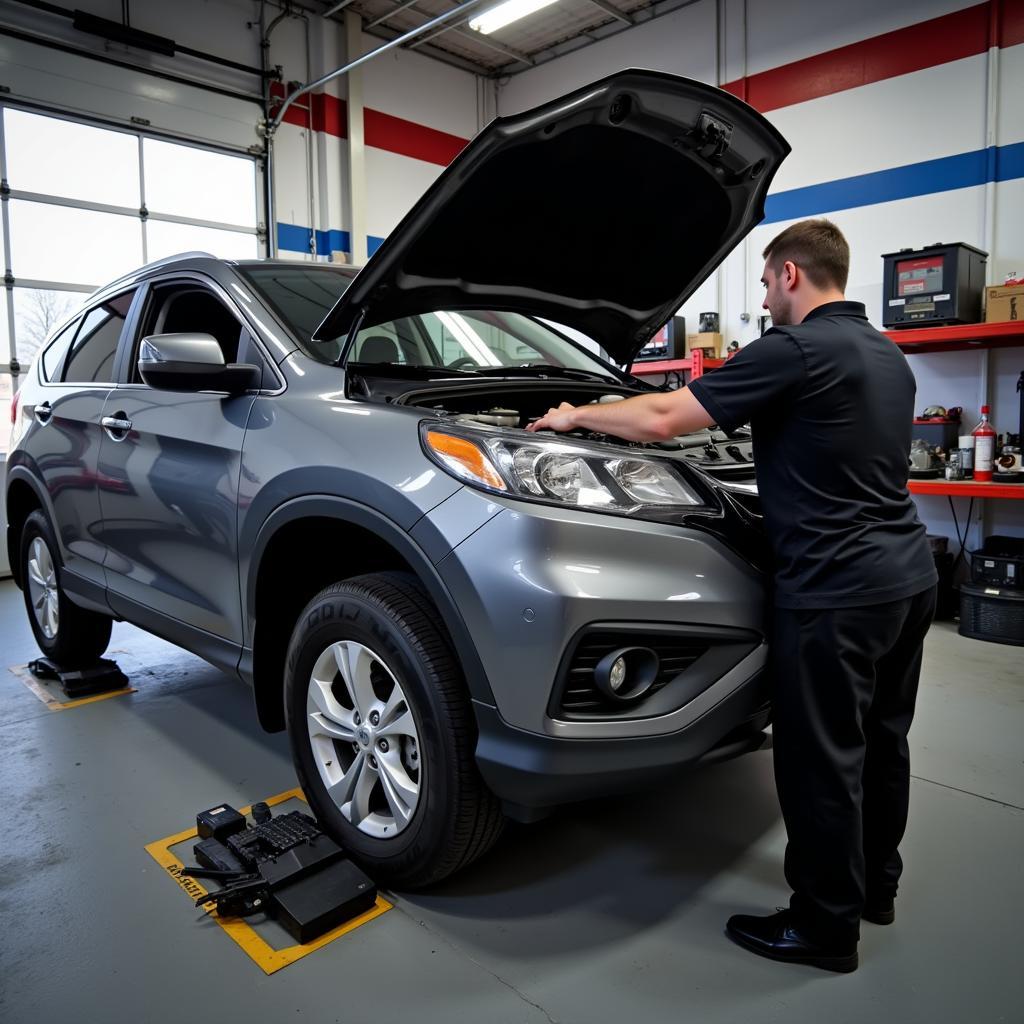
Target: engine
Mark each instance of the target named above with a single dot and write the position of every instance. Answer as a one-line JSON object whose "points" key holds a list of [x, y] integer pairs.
{"points": [[713, 450]]}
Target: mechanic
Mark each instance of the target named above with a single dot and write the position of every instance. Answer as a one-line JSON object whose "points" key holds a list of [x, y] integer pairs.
{"points": [[830, 402]]}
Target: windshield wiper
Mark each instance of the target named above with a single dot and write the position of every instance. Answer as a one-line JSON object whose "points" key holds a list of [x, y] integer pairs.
{"points": [[407, 369], [545, 370]]}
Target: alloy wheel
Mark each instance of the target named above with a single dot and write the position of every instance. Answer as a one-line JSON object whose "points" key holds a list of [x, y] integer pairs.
{"points": [[364, 739], [42, 585]]}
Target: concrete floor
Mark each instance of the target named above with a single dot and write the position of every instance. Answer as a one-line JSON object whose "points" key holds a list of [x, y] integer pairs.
{"points": [[608, 912]]}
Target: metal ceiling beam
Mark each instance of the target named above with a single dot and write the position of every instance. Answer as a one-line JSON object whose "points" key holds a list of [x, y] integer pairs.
{"points": [[434, 35], [336, 7], [391, 14], [490, 44], [613, 11], [477, 38], [647, 14], [449, 57]]}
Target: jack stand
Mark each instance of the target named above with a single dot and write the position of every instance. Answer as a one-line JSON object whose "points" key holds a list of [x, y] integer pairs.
{"points": [[100, 677]]}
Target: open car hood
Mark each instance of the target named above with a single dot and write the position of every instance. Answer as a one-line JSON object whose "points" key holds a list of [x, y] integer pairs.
{"points": [[602, 210]]}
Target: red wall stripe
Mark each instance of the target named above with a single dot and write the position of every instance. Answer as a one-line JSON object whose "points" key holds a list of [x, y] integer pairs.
{"points": [[963, 33], [1011, 29], [410, 139], [328, 114]]}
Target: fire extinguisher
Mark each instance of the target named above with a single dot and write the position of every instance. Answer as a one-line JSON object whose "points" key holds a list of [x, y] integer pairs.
{"points": [[984, 447]]}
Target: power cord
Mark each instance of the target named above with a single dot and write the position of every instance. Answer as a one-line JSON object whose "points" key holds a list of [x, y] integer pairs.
{"points": [[956, 525]]}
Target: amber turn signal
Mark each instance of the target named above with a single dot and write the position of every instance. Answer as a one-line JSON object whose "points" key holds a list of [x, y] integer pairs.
{"points": [[465, 458]]}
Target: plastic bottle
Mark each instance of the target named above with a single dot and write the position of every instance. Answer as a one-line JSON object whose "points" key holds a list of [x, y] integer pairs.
{"points": [[984, 447]]}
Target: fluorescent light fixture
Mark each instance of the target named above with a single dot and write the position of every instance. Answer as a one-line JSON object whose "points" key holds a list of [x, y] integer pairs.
{"points": [[504, 14]]}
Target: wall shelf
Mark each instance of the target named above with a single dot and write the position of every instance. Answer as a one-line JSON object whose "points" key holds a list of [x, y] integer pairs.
{"points": [[695, 365], [966, 489], [960, 338]]}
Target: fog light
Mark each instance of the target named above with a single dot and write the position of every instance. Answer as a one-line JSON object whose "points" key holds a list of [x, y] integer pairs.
{"points": [[617, 675], [626, 674]]}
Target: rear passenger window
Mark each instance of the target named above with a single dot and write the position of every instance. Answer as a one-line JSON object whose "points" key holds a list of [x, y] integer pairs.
{"points": [[53, 355], [92, 356]]}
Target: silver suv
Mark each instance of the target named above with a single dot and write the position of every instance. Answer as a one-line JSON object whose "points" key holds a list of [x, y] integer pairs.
{"points": [[320, 481]]}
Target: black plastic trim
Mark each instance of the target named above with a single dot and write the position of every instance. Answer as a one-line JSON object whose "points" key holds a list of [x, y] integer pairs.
{"points": [[727, 647], [221, 653]]}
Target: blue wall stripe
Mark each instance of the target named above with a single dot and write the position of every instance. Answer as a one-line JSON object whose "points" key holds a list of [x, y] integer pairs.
{"points": [[292, 237], [1010, 162], [963, 170], [296, 238]]}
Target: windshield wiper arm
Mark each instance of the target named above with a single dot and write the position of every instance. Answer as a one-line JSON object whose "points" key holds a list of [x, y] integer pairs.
{"points": [[406, 369]]}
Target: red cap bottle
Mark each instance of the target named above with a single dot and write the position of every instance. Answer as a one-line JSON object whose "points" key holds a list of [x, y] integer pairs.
{"points": [[984, 447]]}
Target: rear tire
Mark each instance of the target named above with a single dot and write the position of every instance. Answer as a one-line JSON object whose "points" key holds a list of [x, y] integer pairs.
{"points": [[368, 650], [66, 633]]}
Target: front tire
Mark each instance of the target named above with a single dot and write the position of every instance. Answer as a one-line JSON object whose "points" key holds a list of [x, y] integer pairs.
{"points": [[66, 633], [383, 734]]}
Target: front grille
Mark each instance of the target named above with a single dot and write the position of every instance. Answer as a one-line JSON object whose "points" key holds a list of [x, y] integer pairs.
{"points": [[581, 697]]}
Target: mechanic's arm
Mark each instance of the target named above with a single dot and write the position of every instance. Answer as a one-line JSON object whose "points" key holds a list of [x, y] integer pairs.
{"points": [[656, 417]]}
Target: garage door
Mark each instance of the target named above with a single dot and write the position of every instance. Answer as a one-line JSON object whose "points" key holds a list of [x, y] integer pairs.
{"points": [[88, 203]]}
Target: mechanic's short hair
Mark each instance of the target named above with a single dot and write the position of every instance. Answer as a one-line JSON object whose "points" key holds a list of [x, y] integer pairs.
{"points": [[817, 247]]}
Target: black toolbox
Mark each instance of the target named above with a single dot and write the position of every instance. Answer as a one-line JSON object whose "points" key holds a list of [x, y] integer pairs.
{"points": [[999, 562]]}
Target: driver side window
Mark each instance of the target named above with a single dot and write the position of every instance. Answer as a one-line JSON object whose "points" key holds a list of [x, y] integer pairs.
{"points": [[188, 308]]}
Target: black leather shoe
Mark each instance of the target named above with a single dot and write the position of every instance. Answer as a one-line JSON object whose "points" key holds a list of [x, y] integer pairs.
{"points": [[879, 910], [779, 937]]}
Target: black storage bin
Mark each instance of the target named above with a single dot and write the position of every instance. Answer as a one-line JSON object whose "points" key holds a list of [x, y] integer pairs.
{"points": [[999, 562], [992, 613]]}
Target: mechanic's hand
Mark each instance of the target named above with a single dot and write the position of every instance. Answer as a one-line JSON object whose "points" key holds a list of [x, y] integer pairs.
{"points": [[555, 419]]}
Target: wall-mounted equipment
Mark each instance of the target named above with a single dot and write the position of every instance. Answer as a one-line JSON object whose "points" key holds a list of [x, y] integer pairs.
{"points": [[941, 284]]}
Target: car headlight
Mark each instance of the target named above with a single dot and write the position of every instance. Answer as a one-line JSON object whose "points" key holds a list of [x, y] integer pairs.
{"points": [[558, 472]]}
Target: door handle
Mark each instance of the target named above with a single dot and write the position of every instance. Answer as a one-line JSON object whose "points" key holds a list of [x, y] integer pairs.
{"points": [[43, 413], [116, 426]]}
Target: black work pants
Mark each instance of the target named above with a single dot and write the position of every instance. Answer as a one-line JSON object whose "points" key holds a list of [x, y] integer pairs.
{"points": [[845, 686]]}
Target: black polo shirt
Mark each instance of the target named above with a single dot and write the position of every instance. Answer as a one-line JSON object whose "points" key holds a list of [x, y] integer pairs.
{"points": [[830, 402]]}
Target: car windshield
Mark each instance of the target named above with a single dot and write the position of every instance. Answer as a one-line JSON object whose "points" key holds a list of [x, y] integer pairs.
{"points": [[474, 341]]}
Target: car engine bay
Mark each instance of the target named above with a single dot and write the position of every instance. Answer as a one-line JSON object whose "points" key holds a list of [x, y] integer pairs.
{"points": [[726, 457]]}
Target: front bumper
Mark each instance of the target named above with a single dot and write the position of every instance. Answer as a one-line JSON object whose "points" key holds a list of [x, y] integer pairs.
{"points": [[531, 773], [528, 579]]}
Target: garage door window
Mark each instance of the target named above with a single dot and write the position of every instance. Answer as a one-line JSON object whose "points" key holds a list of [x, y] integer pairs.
{"points": [[88, 203]]}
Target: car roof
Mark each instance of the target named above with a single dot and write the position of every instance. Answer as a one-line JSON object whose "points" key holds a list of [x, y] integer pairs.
{"points": [[198, 260]]}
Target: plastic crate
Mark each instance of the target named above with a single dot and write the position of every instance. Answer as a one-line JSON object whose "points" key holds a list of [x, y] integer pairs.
{"points": [[999, 562], [992, 613]]}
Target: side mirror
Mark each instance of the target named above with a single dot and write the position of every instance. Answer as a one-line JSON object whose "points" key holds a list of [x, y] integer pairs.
{"points": [[192, 362]]}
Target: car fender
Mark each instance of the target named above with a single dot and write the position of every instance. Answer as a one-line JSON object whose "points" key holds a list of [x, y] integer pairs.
{"points": [[345, 510]]}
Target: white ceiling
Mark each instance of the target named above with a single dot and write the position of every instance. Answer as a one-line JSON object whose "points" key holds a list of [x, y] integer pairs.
{"points": [[561, 28]]}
